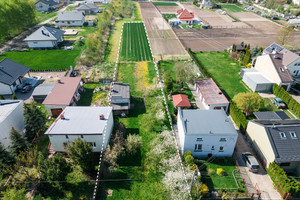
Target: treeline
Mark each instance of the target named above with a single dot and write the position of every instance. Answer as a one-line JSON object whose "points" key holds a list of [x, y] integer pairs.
{"points": [[15, 16], [121, 8]]}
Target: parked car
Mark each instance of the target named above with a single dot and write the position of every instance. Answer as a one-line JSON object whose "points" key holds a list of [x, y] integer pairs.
{"points": [[279, 103], [26, 88], [250, 161], [275, 18]]}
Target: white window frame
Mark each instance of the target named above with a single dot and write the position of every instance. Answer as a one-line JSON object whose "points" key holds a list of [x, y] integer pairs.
{"points": [[198, 148], [293, 135], [282, 135]]}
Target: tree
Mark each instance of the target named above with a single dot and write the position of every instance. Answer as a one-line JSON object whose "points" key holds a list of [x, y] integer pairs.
{"points": [[14, 194], [35, 121], [18, 142], [247, 58], [168, 81], [183, 72], [81, 153], [233, 48], [55, 168], [285, 35], [133, 143], [248, 102], [6, 158]]}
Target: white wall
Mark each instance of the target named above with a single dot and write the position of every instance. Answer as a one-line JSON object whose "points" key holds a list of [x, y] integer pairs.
{"points": [[41, 6], [72, 23], [5, 89], [264, 65], [181, 131], [42, 44], [14, 119]]}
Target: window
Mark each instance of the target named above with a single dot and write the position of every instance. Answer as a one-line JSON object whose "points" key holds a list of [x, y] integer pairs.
{"points": [[222, 139], [199, 139], [94, 144], [282, 135], [293, 135], [67, 137], [212, 147], [198, 147], [221, 149], [81, 136], [281, 69]]}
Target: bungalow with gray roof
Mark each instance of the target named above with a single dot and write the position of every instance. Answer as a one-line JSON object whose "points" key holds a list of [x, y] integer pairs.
{"points": [[45, 37], [88, 9], [70, 18], [120, 98], [45, 5]]}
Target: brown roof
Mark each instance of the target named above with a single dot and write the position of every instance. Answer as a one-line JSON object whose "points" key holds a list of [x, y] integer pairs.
{"points": [[210, 91], [181, 100], [283, 73], [289, 57], [63, 91], [185, 15]]}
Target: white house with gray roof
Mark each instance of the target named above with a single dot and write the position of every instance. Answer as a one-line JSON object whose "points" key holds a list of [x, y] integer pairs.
{"points": [[45, 37], [45, 5], [92, 124], [120, 98], [11, 115], [70, 18], [88, 9], [206, 133]]}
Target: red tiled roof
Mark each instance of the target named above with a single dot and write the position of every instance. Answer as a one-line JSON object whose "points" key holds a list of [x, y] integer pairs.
{"points": [[63, 91], [185, 15], [181, 100]]}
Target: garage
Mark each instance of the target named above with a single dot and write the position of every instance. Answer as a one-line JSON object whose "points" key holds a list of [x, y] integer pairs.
{"points": [[257, 82]]}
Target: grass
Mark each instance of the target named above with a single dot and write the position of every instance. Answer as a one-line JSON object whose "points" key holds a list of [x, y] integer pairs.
{"points": [[224, 70], [135, 46], [169, 16], [137, 11], [88, 97], [44, 59], [44, 16], [233, 8], [194, 26], [165, 4], [236, 19], [70, 8]]}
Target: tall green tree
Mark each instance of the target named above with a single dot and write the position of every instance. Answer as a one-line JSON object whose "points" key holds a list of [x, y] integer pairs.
{"points": [[168, 81], [18, 142], [285, 35], [14, 194], [35, 121], [81, 153], [248, 102], [247, 58], [6, 159], [183, 72]]}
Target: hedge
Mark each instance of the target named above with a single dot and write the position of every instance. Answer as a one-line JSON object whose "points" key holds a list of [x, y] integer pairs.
{"points": [[291, 103], [238, 117], [282, 182], [198, 62]]}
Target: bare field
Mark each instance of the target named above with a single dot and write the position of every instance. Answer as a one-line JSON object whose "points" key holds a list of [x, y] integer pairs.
{"points": [[163, 41], [168, 9]]}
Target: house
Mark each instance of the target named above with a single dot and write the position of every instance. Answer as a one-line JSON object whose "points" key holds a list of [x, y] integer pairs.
{"points": [[45, 5], [11, 115], [277, 141], [65, 93], [184, 17], [120, 98], [271, 115], [296, 2], [70, 18], [294, 22], [211, 96], [256, 81], [45, 37], [88, 9], [91, 124], [41, 92], [98, 1], [206, 4], [11, 76], [206, 133], [181, 100]]}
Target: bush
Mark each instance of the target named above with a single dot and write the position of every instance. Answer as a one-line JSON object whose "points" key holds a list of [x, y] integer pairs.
{"points": [[238, 117], [210, 171], [220, 171], [133, 143], [189, 160], [187, 153], [203, 189]]}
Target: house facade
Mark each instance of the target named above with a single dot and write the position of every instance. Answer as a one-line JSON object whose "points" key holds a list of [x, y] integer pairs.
{"points": [[70, 18], [210, 95], [91, 124], [277, 141], [45, 5], [65, 93], [11, 76], [120, 98], [206, 133], [45, 37], [11, 115]]}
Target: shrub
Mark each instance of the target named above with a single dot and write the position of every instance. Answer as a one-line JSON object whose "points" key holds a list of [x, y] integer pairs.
{"points": [[133, 143], [210, 171], [187, 153], [220, 171], [14, 96], [203, 189], [193, 166], [2, 97], [189, 160], [238, 117]]}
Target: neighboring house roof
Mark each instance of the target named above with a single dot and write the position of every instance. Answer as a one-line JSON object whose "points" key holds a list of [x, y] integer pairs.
{"points": [[285, 149], [120, 90], [181, 100], [63, 91], [206, 122], [271, 115], [210, 91], [48, 2], [289, 57], [80, 120], [43, 89], [88, 6], [7, 106], [273, 47], [70, 15], [44, 34], [10, 71], [283, 73], [239, 47], [184, 15]]}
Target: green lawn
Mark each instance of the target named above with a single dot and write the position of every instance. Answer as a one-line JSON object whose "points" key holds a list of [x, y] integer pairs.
{"points": [[169, 16], [44, 16], [44, 59], [88, 97], [135, 46], [236, 19], [194, 26], [225, 72], [70, 8], [233, 8], [164, 4]]}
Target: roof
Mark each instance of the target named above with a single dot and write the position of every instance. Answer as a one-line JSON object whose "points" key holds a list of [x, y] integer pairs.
{"points": [[10, 71], [184, 14], [273, 47], [89, 6], [63, 92], [80, 120], [43, 89], [70, 15], [258, 77], [45, 33], [181, 100], [48, 2], [239, 47], [289, 57], [7, 106], [120, 90], [206, 122], [282, 72], [271, 115], [294, 21], [210, 91], [287, 149]]}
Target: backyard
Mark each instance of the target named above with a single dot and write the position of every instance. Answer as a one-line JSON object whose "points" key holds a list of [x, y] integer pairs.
{"points": [[232, 8], [93, 95]]}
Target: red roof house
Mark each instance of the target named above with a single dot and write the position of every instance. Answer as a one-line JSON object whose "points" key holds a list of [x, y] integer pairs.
{"points": [[181, 100], [185, 15]]}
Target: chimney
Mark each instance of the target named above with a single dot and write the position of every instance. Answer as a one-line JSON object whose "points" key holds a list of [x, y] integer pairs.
{"points": [[101, 117], [62, 116]]}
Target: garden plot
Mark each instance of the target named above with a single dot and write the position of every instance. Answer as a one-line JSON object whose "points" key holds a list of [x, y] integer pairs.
{"points": [[168, 9], [135, 46]]}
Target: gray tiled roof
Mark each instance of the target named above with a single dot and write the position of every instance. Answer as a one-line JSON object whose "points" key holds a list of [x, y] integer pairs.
{"points": [[10, 71], [271, 115], [43, 89], [120, 89], [45, 33], [87, 7], [48, 2], [70, 15], [272, 47]]}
